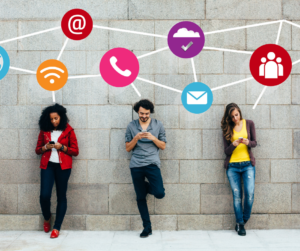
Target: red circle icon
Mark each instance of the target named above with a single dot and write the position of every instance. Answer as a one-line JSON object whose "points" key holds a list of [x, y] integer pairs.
{"points": [[270, 65], [77, 24]]}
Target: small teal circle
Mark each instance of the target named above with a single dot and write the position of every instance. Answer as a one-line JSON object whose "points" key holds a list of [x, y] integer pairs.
{"points": [[4, 63], [197, 97]]}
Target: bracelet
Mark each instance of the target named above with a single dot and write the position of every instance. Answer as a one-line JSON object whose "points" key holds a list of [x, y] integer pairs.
{"points": [[46, 147]]}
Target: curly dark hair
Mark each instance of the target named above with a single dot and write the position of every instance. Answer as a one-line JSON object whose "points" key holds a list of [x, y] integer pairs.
{"points": [[227, 124], [145, 103], [45, 122]]}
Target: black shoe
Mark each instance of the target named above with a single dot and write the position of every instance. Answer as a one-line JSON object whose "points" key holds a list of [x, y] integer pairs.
{"points": [[146, 232], [240, 228]]}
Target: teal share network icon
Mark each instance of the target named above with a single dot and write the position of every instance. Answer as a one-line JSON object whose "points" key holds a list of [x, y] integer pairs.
{"points": [[4, 63], [197, 97]]}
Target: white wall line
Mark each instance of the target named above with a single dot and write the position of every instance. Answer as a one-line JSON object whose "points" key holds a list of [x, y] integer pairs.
{"points": [[62, 49], [84, 76], [288, 22], [154, 83], [261, 94], [222, 49], [279, 31], [129, 31], [153, 52], [194, 71], [19, 69], [53, 96], [136, 90], [29, 35], [241, 27], [233, 83], [296, 62]]}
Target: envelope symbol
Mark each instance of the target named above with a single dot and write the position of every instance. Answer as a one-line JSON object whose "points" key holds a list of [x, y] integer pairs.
{"points": [[197, 98]]}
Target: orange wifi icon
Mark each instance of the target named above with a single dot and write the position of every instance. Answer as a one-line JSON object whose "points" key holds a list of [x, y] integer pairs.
{"points": [[52, 75]]}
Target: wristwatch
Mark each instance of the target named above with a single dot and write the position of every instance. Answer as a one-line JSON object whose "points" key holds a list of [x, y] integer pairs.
{"points": [[62, 148]]}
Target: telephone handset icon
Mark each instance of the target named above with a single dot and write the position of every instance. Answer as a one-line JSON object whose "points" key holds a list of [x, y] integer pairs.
{"points": [[113, 61]]}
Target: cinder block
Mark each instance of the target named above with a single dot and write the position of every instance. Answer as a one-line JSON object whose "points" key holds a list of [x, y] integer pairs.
{"points": [[74, 222], [208, 120], [98, 199], [31, 93], [267, 139], [158, 222], [108, 222], [96, 41], [295, 56], [178, 147], [9, 90], [168, 115], [9, 30], [93, 59], [93, 144], [19, 171], [20, 222], [169, 97], [109, 171], [14, 117], [267, 196], [289, 113], [234, 9], [280, 94], [117, 145], [29, 199], [122, 200], [296, 197], [295, 90], [76, 115], [295, 36], [8, 199], [163, 62], [267, 34], [229, 40], [261, 115], [179, 199], [128, 96], [191, 9], [109, 116], [216, 199], [170, 171], [132, 41], [296, 136], [207, 62], [289, 9], [202, 171], [236, 63], [235, 93], [28, 140], [28, 60], [91, 91], [9, 138], [79, 172], [213, 147], [200, 222], [257, 221], [52, 40], [284, 221], [262, 169]]}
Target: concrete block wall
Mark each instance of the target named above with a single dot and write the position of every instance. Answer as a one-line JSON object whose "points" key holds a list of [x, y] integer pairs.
{"points": [[100, 193]]}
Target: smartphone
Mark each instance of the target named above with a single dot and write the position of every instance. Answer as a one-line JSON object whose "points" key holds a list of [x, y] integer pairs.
{"points": [[144, 131], [52, 142], [241, 138]]}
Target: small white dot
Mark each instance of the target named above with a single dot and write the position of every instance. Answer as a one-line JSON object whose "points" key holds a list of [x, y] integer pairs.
{"points": [[52, 81]]}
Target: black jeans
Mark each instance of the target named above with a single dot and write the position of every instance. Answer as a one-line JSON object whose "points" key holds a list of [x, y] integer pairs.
{"points": [[142, 188], [61, 177]]}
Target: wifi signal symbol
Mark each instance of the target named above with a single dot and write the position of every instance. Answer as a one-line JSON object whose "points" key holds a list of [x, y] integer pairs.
{"points": [[52, 75]]}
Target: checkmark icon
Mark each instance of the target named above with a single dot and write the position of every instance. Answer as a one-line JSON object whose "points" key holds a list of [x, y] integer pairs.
{"points": [[185, 48]]}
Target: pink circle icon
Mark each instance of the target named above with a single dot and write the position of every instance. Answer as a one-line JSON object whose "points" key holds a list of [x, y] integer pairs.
{"points": [[119, 67]]}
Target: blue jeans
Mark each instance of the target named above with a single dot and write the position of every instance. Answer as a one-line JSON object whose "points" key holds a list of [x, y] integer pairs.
{"points": [[235, 172], [142, 188]]}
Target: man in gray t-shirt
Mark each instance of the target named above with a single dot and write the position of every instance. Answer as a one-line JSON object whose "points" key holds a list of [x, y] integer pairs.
{"points": [[144, 137]]}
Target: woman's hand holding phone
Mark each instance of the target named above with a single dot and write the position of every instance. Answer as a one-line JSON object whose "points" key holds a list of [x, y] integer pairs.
{"points": [[236, 142]]}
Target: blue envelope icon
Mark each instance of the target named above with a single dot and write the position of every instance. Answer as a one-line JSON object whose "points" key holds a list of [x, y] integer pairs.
{"points": [[196, 98]]}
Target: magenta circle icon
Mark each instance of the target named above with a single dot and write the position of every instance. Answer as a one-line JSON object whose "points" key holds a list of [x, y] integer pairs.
{"points": [[186, 39], [119, 67]]}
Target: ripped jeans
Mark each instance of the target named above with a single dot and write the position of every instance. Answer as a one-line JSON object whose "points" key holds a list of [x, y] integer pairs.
{"points": [[235, 171]]}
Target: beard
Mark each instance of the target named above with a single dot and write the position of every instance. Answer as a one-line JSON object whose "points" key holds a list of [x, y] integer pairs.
{"points": [[144, 119]]}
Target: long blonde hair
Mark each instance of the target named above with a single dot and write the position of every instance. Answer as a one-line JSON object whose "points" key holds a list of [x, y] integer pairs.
{"points": [[227, 124]]}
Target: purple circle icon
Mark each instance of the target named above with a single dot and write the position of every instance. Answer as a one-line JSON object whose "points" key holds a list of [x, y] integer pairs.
{"points": [[186, 39]]}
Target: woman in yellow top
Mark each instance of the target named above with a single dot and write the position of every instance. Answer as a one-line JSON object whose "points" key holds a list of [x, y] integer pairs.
{"points": [[239, 137]]}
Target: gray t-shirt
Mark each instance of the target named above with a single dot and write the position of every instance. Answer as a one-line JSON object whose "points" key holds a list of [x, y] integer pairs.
{"points": [[145, 151]]}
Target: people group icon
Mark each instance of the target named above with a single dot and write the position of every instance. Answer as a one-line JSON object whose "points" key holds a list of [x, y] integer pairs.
{"points": [[271, 69]]}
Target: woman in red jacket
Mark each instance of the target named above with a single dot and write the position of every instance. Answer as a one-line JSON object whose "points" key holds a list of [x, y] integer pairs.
{"points": [[57, 143]]}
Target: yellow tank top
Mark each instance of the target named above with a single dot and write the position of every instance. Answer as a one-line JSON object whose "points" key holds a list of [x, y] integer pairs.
{"points": [[240, 153]]}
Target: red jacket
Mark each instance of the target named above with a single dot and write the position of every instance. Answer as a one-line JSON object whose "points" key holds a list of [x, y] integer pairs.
{"points": [[67, 138]]}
